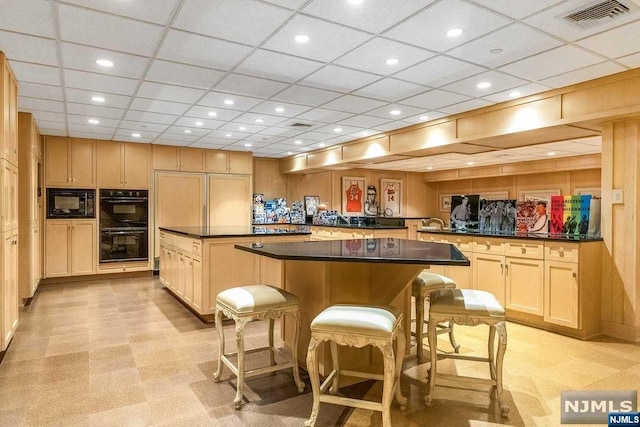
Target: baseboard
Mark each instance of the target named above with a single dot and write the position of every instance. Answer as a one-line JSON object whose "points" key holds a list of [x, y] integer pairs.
{"points": [[102, 276], [623, 332]]}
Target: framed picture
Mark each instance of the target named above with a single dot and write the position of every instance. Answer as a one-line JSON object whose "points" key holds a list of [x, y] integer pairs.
{"points": [[391, 197], [494, 195], [311, 205], [445, 203], [538, 194], [594, 191], [353, 189]]}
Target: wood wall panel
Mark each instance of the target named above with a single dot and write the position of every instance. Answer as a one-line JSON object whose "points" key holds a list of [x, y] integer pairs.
{"points": [[373, 148], [426, 137], [616, 95], [316, 184], [267, 178]]}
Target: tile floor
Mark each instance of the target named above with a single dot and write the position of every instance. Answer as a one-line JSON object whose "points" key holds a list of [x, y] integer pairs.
{"points": [[125, 353]]}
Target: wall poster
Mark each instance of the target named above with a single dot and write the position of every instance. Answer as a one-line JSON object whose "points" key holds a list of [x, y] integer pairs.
{"points": [[391, 197], [353, 189]]}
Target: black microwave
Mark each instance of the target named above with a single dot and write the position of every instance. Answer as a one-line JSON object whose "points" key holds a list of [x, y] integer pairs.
{"points": [[70, 203]]}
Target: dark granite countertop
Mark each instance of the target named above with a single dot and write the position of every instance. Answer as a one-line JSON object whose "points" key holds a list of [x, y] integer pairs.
{"points": [[246, 231], [502, 235], [364, 227], [382, 250]]}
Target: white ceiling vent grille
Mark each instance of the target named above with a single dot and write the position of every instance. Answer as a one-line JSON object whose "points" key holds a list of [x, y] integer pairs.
{"points": [[599, 13]]}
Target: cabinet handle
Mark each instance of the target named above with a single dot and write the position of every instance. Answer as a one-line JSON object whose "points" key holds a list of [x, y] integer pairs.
{"points": [[506, 269], [575, 275], [524, 251], [14, 242], [501, 268]]}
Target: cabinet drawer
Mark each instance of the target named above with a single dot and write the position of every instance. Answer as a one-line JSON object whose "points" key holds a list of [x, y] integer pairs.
{"points": [[560, 251], [436, 238], [464, 243], [327, 232], [522, 249], [488, 245]]}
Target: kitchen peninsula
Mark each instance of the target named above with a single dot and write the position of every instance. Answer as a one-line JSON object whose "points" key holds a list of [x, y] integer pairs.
{"points": [[196, 263]]}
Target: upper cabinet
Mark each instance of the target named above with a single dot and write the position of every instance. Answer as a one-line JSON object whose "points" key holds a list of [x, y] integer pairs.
{"points": [[169, 157], [236, 162], [123, 165], [8, 112], [70, 162]]}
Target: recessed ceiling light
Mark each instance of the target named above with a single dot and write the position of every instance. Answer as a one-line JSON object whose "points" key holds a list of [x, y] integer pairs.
{"points": [[337, 129], [392, 61], [297, 142], [199, 124], [289, 153], [429, 167], [228, 101], [228, 135], [279, 109], [355, 1], [514, 94], [469, 163], [94, 121], [247, 145], [187, 131], [104, 63], [321, 145], [97, 99], [495, 51], [454, 32], [259, 121], [242, 128], [424, 118], [136, 135], [212, 114], [551, 153], [301, 38], [364, 133], [483, 85], [395, 112]]}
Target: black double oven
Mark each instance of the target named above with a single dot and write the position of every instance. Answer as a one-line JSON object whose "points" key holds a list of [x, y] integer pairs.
{"points": [[124, 225]]}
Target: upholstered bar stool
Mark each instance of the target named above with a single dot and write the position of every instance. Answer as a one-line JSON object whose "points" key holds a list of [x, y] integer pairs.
{"points": [[422, 286], [256, 302], [357, 326], [469, 307]]}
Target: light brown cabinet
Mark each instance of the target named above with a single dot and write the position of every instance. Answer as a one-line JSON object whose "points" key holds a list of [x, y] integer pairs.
{"points": [[70, 248], [8, 112], [8, 288], [123, 165], [229, 200], [9, 208], [462, 275], [234, 162], [70, 162], [172, 158]]}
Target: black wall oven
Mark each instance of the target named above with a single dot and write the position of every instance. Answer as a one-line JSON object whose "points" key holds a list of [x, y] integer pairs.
{"points": [[70, 203], [124, 232]]}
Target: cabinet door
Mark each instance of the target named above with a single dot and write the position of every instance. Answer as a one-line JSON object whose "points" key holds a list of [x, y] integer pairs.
{"points": [[488, 274], [197, 284], [35, 260], [164, 264], [181, 274], [463, 276], [525, 285], [9, 196], [165, 157], [57, 261], [217, 161], [188, 279], [83, 247], [13, 121], [56, 161], [240, 162], [229, 200], [191, 159], [83, 162], [9, 288], [561, 297], [136, 165], [109, 164]]}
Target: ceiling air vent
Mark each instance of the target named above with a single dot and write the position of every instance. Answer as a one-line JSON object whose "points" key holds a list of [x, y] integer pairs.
{"points": [[599, 13], [300, 125]]}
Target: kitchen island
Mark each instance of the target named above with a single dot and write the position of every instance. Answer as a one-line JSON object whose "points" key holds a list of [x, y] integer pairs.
{"points": [[365, 271], [196, 263]]}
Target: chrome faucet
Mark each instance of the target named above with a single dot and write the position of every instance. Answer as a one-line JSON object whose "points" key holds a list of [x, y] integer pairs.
{"points": [[344, 218], [428, 221]]}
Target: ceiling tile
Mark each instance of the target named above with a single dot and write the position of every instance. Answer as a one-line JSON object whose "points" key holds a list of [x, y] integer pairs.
{"points": [[312, 137], [84, 58], [435, 99], [190, 122], [326, 41], [169, 92], [428, 28], [372, 55], [602, 44], [187, 131], [526, 90], [282, 131], [551, 63], [217, 100], [263, 139], [324, 115], [183, 75], [91, 129], [203, 112], [242, 127], [100, 82], [250, 86], [20, 47], [210, 143], [290, 110], [233, 136], [48, 116], [260, 119], [472, 104], [499, 82], [115, 33], [364, 121], [391, 90], [338, 78], [373, 16], [27, 104], [83, 120], [439, 71], [34, 90], [354, 104], [193, 49], [182, 137], [632, 61], [145, 10], [515, 41], [392, 126], [36, 73], [277, 66], [405, 111], [144, 116], [153, 128], [516, 9], [80, 96], [96, 111], [423, 117], [291, 4], [243, 21], [125, 135], [583, 74], [27, 17], [52, 125], [306, 95], [157, 106], [331, 130]]}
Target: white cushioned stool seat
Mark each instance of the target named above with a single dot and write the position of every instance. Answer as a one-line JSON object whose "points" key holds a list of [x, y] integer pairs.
{"points": [[469, 307], [255, 302], [421, 289], [357, 326]]}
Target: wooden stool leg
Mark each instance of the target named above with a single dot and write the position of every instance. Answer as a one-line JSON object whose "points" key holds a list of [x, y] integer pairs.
{"points": [[218, 373], [388, 382], [491, 351], [501, 328], [294, 351], [432, 336], [452, 339], [272, 356], [419, 302], [401, 345], [335, 384], [240, 344], [312, 368]]}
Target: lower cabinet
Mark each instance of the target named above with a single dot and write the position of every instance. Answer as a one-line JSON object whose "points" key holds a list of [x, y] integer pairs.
{"points": [[561, 294], [70, 247], [489, 275], [8, 288], [524, 280]]}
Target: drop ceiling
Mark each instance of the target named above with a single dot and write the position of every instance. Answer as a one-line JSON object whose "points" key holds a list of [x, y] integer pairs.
{"points": [[176, 62]]}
